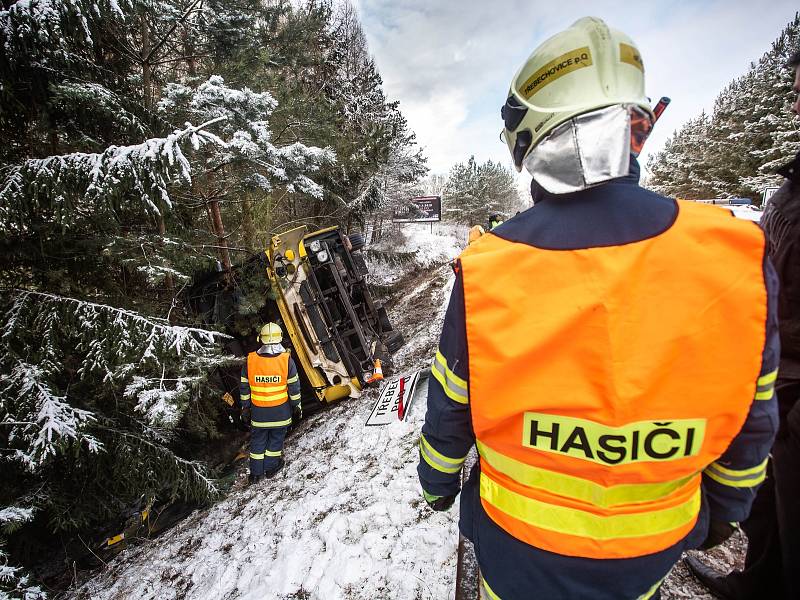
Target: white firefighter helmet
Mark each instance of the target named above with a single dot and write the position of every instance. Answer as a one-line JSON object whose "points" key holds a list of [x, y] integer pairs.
{"points": [[270, 334], [584, 68]]}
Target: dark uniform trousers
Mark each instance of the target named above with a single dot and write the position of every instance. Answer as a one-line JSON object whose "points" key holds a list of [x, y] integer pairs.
{"points": [[772, 564], [266, 443]]}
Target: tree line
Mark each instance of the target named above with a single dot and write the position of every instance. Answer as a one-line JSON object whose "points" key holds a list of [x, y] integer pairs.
{"points": [[144, 142], [736, 150]]}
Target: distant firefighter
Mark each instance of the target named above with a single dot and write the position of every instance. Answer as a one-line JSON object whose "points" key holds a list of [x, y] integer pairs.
{"points": [[271, 385]]}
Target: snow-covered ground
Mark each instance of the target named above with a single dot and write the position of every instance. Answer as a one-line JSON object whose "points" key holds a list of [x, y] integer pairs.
{"points": [[345, 518]]}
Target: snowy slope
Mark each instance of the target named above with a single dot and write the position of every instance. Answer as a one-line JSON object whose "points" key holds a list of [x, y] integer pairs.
{"points": [[345, 518]]}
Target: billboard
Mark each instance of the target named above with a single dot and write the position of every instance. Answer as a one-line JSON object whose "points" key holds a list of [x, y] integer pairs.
{"points": [[423, 209], [768, 192]]}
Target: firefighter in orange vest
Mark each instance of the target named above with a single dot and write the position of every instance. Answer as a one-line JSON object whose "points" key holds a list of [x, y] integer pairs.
{"points": [[269, 394], [610, 352]]}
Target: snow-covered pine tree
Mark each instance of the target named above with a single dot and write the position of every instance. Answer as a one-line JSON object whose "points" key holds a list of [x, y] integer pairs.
{"points": [[474, 191], [749, 135], [104, 394], [680, 169], [769, 130]]}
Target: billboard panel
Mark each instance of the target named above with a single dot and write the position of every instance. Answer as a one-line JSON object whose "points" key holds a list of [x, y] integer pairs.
{"points": [[423, 209]]}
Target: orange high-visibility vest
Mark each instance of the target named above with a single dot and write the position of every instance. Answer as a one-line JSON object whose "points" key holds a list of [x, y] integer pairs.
{"points": [[267, 378], [602, 381]]}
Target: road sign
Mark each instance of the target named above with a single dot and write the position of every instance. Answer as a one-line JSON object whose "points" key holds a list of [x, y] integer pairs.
{"points": [[768, 191], [423, 209], [395, 400]]}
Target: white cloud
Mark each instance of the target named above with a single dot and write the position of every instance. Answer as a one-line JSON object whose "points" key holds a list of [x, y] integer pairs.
{"points": [[450, 63]]}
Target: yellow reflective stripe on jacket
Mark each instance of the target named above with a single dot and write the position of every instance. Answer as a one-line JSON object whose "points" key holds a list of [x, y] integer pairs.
{"points": [[268, 389], [738, 478], [571, 521], [271, 453], [437, 460], [245, 380], [244, 397], [765, 386], [294, 379], [577, 487], [257, 456], [487, 591], [267, 397], [649, 593], [294, 397], [271, 423], [452, 384]]}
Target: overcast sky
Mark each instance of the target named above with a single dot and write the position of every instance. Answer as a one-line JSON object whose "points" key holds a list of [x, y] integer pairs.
{"points": [[450, 63]]}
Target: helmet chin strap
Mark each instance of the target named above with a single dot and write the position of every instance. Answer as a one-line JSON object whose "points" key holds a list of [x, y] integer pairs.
{"points": [[583, 152]]}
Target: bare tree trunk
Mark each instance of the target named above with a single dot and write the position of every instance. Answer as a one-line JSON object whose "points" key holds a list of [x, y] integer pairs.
{"points": [[147, 98], [147, 73], [188, 51], [219, 231], [248, 227]]}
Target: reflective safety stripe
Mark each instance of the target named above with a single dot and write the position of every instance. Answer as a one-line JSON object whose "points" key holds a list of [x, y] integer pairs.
{"points": [[268, 389], [649, 593], [257, 456], [578, 488], [271, 453], [294, 397], [487, 591], [437, 460], [294, 379], [765, 389], [268, 397], [271, 423], [571, 521], [271, 399], [452, 384], [244, 397], [738, 478], [245, 380]]}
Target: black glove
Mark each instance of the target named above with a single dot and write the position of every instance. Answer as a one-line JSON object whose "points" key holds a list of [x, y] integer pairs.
{"points": [[297, 414], [718, 532], [245, 417], [438, 503]]}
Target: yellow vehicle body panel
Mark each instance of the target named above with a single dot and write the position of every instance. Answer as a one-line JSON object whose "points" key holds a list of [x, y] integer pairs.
{"points": [[320, 372]]}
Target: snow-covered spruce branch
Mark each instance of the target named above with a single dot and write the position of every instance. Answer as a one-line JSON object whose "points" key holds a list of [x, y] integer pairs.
{"points": [[13, 578], [193, 469], [51, 31], [67, 188], [156, 365], [45, 421], [249, 139], [181, 334]]}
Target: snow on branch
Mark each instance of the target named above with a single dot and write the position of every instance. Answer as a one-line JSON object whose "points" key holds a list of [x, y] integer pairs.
{"points": [[155, 364], [69, 188], [248, 135], [48, 32], [46, 423]]}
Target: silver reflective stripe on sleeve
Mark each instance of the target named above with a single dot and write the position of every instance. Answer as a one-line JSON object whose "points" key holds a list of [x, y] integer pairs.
{"points": [[738, 478], [437, 460], [454, 386]]}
